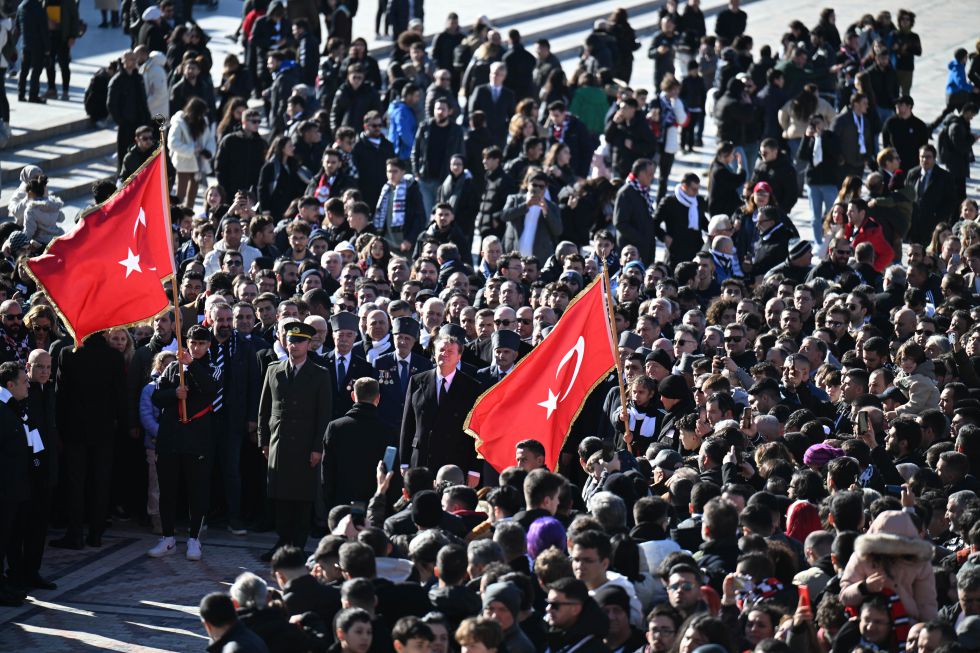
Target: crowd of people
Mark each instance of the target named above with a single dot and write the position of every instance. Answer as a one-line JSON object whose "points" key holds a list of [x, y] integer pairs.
{"points": [[795, 465]]}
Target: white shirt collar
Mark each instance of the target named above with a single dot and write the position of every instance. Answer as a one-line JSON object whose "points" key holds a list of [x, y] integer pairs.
{"points": [[5, 395], [407, 359], [449, 378]]}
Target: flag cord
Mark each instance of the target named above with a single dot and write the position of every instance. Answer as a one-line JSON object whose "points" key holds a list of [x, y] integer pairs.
{"points": [[181, 403], [607, 291]]}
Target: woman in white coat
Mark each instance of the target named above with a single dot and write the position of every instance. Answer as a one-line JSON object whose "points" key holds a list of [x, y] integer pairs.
{"points": [[191, 147], [673, 115]]}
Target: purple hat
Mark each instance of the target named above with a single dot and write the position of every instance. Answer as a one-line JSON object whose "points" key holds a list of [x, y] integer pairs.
{"points": [[545, 532], [821, 454]]}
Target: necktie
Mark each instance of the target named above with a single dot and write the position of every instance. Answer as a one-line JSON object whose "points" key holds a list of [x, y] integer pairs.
{"points": [[341, 369], [290, 373], [496, 93], [403, 375], [923, 183], [219, 364], [442, 392]]}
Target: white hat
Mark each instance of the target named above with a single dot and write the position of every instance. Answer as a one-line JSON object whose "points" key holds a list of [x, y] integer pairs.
{"points": [[344, 246], [152, 13]]}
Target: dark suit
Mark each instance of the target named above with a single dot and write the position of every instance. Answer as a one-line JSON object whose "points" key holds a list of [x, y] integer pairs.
{"points": [[498, 113], [432, 433], [16, 465], [357, 367], [392, 405], [846, 131], [293, 418], [488, 376], [352, 447], [934, 204], [634, 222], [307, 594]]}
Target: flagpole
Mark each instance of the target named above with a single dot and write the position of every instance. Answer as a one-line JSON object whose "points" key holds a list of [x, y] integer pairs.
{"points": [[181, 403], [607, 291]]}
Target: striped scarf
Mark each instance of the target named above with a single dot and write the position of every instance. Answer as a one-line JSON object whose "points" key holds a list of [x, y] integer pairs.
{"points": [[398, 205], [901, 623], [635, 184], [765, 589]]}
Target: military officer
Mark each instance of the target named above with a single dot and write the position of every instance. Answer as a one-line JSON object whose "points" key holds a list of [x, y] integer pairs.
{"points": [[295, 408], [505, 347], [343, 364]]}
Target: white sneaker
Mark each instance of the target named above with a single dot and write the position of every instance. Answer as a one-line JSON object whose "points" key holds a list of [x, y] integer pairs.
{"points": [[193, 549], [165, 547], [237, 530]]}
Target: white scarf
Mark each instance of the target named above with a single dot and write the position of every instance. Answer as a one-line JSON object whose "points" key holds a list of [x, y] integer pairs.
{"points": [[649, 422], [859, 123], [692, 207], [398, 207], [378, 347], [281, 353], [818, 150], [33, 437]]}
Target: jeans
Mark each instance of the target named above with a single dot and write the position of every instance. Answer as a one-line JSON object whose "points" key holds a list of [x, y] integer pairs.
{"points": [[821, 197], [429, 188]]}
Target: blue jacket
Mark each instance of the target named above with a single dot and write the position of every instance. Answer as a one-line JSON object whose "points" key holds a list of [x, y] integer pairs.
{"points": [[956, 81], [401, 128], [149, 414]]}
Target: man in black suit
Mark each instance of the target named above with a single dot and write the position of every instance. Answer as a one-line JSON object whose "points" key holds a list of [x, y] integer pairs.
{"points": [[235, 405], [932, 193], [633, 211], [15, 463], [344, 366], [377, 340], [298, 392], [505, 344], [496, 101], [352, 447], [435, 408], [396, 368], [301, 592]]}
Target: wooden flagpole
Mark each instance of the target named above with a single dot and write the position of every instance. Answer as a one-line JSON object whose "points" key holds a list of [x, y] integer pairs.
{"points": [[181, 403], [607, 290]]}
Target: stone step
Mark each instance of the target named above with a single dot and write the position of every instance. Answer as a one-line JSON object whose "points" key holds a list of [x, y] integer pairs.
{"points": [[61, 151], [70, 183]]}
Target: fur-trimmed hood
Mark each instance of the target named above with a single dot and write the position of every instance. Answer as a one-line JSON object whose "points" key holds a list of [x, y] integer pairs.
{"points": [[893, 534]]}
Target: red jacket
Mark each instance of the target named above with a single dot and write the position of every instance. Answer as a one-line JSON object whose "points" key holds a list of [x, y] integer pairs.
{"points": [[871, 232]]}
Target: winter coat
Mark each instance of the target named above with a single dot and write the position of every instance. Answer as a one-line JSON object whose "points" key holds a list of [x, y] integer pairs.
{"points": [[239, 160], [370, 162], [498, 186], [32, 23], [155, 82], [279, 184], [956, 146], [126, 101], [590, 104], [420, 150], [41, 218], [350, 105], [19, 200], [920, 387], [463, 192], [174, 436], [956, 81], [893, 546], [871, 232], [184, 148], [732, 114], [545, 236], [585, 635]]}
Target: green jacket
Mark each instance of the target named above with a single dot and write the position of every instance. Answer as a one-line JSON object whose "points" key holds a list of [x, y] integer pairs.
{"points": [[590, 104]]}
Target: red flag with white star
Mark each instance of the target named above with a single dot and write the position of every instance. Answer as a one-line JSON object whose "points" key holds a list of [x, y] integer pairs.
{"points": [[544, 393], [109, 270]]}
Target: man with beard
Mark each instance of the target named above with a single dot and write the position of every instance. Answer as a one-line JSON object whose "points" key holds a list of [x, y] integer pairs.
{"points": [[234, 407], [138, 373], [575, 619], [14, 341]]}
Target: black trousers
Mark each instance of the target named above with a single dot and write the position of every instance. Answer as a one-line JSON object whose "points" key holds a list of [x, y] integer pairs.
{"points": [[196, 472], [129, 475], [31, 526], [32, 65], [60, 54], [293, 522], [4, 104], [88, 477], [8, 515], [665, 164], [125, 133]]}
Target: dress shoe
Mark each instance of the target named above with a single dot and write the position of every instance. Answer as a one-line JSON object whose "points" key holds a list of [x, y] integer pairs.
{"points": [[94, 540], [37, 100], [36, 582], [51, 92], [68, 542]]}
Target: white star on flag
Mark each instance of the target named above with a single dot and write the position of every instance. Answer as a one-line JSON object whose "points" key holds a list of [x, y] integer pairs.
{"points": [[551, 403], [131, 263]]}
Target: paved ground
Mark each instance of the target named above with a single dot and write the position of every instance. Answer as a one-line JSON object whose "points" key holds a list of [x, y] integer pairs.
{"points": [[116, 598]]}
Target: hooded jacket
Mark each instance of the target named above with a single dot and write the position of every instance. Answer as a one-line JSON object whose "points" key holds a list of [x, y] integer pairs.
{"points": [[41, 218], [19, 200], [892, 546], [920, 387], [154, 75], [585, 636]]}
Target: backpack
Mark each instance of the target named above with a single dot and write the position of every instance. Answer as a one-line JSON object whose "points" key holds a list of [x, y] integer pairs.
{"points": [[97, 95]]}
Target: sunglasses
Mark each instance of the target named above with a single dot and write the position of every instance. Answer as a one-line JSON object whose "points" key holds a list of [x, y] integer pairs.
{"points": [[524, 320], [13, 318], [733, 339], [41, 327], [503, 322], [924, 332]]}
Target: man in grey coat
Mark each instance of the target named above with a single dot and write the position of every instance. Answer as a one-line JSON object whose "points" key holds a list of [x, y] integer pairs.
{"points": [[533, 221]]}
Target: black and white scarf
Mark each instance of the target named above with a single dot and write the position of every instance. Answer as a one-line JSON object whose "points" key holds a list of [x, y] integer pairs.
{"points": [[398, 205], [635, 184]]}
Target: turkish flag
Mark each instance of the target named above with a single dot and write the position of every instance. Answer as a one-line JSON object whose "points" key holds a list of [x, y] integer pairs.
{"points": [[108, 271], [543, 394]]}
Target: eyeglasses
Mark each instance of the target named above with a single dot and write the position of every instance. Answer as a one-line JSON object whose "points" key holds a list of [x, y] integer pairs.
{"points": [[733, 339], [924, 332], [503, 322], [686, 587], [13, 317]]}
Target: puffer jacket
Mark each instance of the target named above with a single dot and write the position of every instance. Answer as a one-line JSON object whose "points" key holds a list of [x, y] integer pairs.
{"points": [[19, 200], [41, 218], [155, 81], [893, 546], [920, 387]]}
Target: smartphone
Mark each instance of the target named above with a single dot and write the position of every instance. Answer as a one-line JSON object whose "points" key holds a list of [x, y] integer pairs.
{"points": [[863, 424], [747, 417], [743, 583], [804, 596], [389, 459], [894, 490], [720, 352], [952, 335], [357, 512]]}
